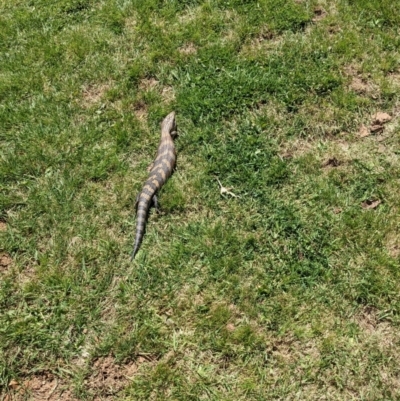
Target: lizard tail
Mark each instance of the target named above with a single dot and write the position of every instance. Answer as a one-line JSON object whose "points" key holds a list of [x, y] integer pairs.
{"points": [[140, 228]]}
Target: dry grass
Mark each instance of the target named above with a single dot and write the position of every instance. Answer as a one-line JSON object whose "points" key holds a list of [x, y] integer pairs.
{"points": [[282, 286]]}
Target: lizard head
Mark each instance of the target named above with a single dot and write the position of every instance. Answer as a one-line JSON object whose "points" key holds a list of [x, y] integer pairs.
{"points": [[169, 125]]}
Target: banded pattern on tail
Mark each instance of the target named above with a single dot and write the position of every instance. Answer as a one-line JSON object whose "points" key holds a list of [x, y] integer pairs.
{"points": [[162, 169]]}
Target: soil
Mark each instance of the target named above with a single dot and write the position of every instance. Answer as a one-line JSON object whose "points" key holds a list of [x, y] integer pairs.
{"points": [[104, 382]]}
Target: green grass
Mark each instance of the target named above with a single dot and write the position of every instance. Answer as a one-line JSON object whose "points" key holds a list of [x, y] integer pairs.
{"points": [[289, 290]]}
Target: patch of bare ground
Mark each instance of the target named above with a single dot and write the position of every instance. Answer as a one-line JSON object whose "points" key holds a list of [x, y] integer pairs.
{"points": [[377, 125], [322, 11], [331, 162], [108, 378], [5, 263], [3, 226], [382, 333], [93, 94], [361, 84], [40, 387], [392, 124], [319, 14], [327, 7]]}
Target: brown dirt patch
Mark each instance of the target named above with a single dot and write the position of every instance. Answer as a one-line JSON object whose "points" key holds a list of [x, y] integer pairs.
{"points": [[105, 381], [378, 122], [230, 327], [3, 226], [5, 262], [375, 330], [381, 118], [363, 131], [331, 162], [40, 387], [108, 378], [93, 94], [360, 84], [370, 204], [319, 14], [367, 320]]}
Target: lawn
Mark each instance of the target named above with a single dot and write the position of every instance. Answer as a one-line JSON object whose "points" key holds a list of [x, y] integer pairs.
{"points": [[284, 283]]}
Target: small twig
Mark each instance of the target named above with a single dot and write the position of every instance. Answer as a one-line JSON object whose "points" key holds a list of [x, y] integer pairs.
{"points": [[226, 190]]}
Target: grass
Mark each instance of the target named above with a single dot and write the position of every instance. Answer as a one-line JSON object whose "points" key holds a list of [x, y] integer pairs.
{"points": [[289, 290]]}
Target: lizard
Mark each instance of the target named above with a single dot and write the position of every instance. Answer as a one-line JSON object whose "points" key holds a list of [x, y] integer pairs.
{"points": [[160, 170]]}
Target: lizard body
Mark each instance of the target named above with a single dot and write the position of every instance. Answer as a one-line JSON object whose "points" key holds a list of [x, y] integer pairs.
{"points": [[162, 168]]}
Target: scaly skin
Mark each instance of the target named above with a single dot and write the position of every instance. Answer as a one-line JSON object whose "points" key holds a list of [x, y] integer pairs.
{"points": [[162, 169]]}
